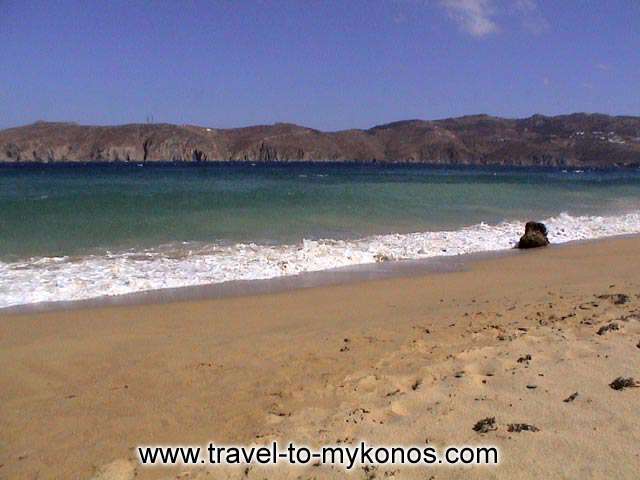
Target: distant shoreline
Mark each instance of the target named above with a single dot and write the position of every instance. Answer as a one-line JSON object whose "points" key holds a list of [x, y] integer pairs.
{"points": [[308, 163]]}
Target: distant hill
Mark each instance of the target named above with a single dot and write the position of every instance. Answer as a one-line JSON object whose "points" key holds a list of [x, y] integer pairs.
{"points": [[577, 140]]}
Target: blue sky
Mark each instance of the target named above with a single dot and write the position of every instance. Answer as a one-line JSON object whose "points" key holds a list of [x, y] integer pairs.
{"points": [[325, 64]]}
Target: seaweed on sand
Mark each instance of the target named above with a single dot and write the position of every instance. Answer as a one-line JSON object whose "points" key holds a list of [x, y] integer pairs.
{"points": [[522, 427], [621, 383], [485, 425], [616, 298], [607, 328]]}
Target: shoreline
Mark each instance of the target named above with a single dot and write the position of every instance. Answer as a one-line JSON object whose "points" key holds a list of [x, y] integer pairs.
{"points": [[264, 286], [331, 277]]}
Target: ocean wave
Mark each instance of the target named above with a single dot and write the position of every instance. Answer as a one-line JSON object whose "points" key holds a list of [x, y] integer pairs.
{"points": [[47, 279]]}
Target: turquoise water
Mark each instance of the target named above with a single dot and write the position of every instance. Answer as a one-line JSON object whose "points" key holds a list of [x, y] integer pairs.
{"points": [[75, 211], [70, 233]]}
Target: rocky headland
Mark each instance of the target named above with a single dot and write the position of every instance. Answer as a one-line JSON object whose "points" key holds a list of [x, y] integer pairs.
{"points": [[577, 140]]}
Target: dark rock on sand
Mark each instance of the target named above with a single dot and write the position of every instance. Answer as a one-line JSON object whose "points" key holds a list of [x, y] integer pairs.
{"points": [[621, 383], [535, 235]]}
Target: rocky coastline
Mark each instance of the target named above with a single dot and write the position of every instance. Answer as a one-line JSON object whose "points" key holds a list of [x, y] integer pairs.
{"points": [[576, 141]]}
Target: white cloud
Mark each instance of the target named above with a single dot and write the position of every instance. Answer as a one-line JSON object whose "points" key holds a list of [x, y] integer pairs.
{"points": [[480, 17], [473, 16], [546, 81], [603, 66]]}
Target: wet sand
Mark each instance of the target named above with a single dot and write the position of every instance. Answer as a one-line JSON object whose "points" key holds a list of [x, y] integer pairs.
{"points": [[415, 360]]}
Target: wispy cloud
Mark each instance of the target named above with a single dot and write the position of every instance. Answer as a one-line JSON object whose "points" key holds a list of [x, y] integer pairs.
{"points": [[475, 17], [603, 66], [481, 18]]}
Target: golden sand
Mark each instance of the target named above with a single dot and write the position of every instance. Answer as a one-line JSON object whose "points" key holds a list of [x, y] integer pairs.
{"points": [[413, 360]]}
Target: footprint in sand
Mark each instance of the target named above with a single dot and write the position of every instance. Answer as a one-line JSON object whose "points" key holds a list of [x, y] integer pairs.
{"points": [[117, 470], [368, 383]]}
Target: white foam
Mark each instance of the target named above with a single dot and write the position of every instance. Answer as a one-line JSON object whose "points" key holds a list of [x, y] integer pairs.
{"points": [[63, 278]]}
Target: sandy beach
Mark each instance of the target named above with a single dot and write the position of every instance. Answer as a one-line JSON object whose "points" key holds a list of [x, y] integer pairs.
{"points": [[414, 360], [319, 240]]}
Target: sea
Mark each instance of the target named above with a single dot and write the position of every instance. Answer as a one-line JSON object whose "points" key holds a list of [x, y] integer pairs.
{"points": [[72, 232]]}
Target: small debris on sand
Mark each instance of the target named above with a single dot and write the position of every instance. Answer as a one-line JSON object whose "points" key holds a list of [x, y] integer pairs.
{"points": [[522, 427], [616, 298], [607, 328], [571, 397], [526, 358], [485, 425], [532, 387], [621, 383]]}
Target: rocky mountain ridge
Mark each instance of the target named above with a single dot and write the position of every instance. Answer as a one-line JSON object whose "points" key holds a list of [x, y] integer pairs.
{"points": [[576, 140]]}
